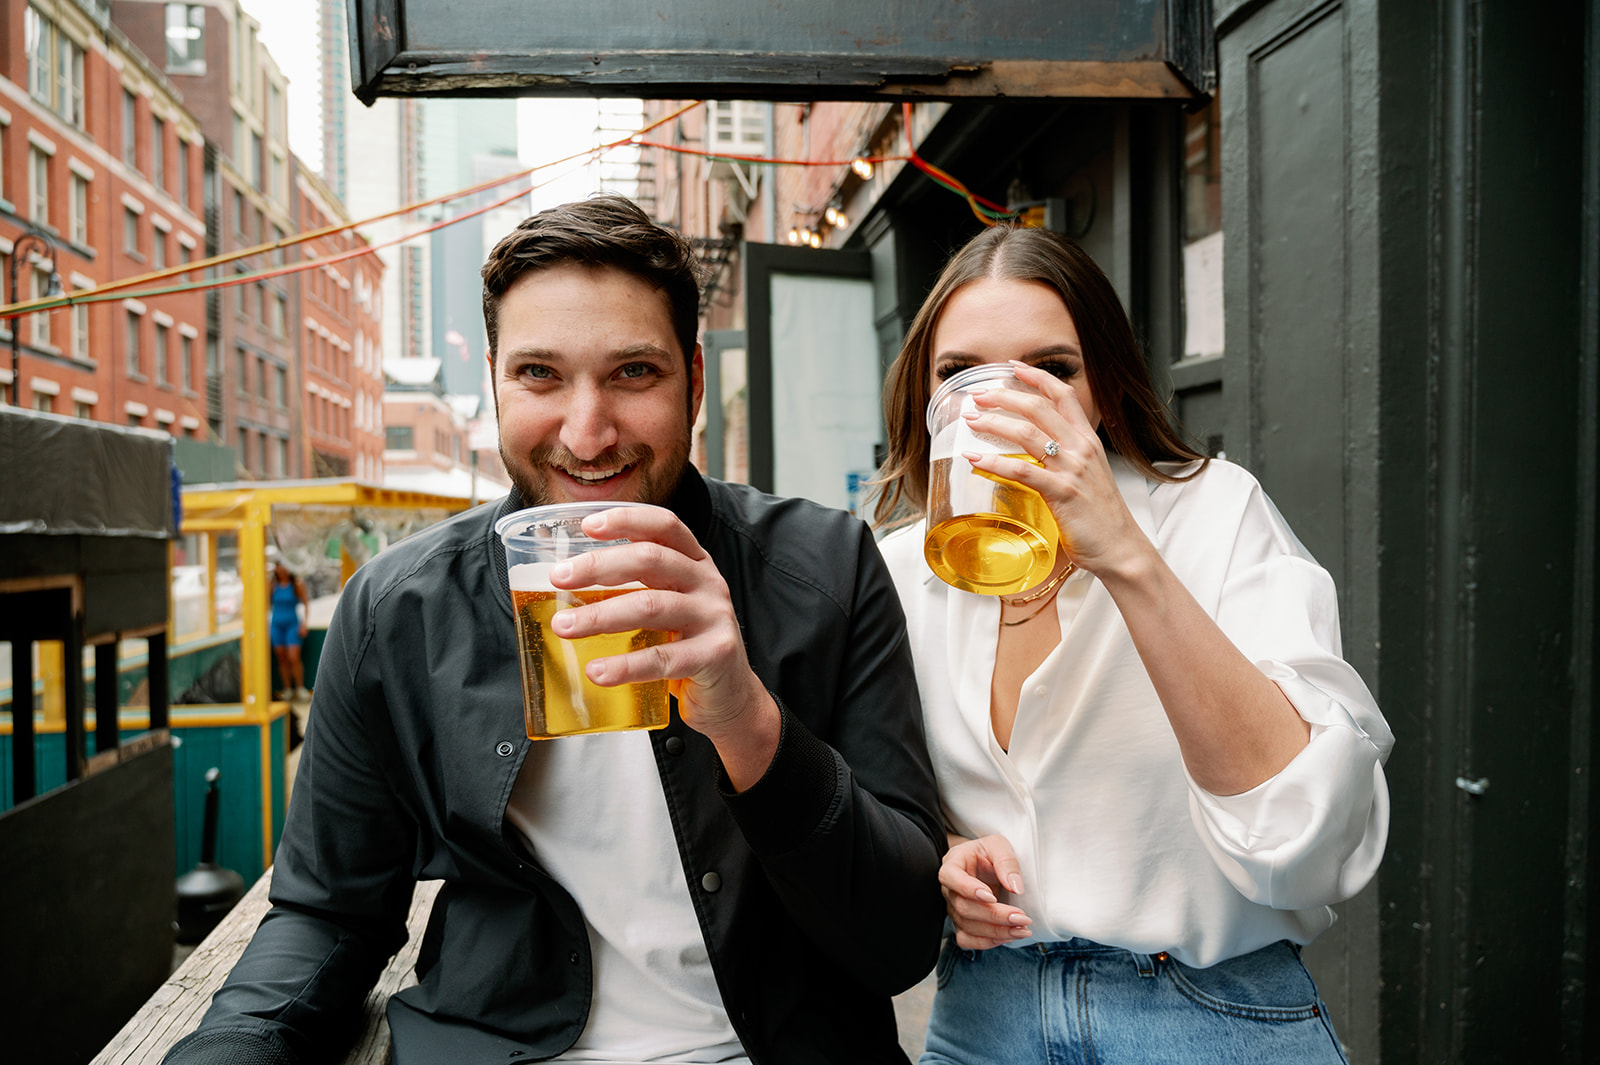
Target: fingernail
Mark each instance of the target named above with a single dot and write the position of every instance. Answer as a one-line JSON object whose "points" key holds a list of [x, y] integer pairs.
{"points": [[596, 672], [985, 895], [971, 456], [561, 571], [1014, 882], [1021, 933], [1020, 919]]}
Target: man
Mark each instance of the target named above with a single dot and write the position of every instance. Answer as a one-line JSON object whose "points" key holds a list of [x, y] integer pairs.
{"points": [[751, 883]]}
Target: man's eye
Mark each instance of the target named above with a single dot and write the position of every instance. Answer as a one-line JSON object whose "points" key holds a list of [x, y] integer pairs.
{"points": [[537, 372], [637, 370]]}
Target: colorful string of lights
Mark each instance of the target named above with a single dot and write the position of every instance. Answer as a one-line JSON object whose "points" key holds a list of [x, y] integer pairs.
{"points": [[863, 166]]}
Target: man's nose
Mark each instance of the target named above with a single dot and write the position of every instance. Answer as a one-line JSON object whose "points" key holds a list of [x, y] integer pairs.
{"points": [[588, 425]]}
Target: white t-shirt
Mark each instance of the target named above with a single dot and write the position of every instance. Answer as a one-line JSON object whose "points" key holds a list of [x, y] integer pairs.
{"points": [[1116, 841], [592, 811]]}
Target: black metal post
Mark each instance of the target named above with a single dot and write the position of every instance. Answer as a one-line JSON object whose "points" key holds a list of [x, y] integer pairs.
{"points": [[42, 239]]}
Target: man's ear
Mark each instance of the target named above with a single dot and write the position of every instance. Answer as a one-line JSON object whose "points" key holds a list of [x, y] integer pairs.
{"points": [[697, 382]]}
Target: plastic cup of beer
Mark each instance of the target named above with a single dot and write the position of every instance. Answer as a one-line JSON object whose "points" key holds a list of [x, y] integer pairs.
{"points": [[985, 534], [557, 698]]}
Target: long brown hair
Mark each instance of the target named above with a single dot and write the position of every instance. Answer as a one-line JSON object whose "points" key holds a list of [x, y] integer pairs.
{"points": [[1134, 421]]}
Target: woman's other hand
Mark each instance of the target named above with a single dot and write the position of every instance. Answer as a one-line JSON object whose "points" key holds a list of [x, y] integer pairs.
{"points": [[975, 878]]}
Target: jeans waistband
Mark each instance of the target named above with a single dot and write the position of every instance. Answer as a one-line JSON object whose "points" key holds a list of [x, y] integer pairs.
{"points": [[1078, 947]]}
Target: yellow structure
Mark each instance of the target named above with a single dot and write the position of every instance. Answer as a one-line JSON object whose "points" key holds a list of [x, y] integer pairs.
{"points": [[249, 509]]}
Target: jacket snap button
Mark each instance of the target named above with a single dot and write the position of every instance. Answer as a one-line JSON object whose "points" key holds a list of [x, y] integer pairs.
{"points": [[573, 957], [505, 749], [711, 882], [674, 744]]}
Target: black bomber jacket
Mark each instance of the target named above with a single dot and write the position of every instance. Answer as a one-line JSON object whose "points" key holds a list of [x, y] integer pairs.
{"points": [[816, 889]]}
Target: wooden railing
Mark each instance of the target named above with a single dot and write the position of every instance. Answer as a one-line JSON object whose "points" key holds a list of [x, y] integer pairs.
{"points": [[177, 1006]]}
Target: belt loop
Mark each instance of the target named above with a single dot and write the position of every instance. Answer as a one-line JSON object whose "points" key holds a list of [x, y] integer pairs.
{"points": [[1146, 963]]}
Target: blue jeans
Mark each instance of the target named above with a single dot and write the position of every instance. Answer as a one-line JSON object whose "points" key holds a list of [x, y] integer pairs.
{"points": [[1081, 1003]]}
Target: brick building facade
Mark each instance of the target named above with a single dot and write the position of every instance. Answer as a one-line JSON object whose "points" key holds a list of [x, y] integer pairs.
{"points": [[341, 321], [98, 155]]}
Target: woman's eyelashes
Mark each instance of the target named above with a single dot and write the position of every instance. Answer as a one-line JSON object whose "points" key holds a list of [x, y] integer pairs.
{"points": [[946, 370], [1059, 368]]}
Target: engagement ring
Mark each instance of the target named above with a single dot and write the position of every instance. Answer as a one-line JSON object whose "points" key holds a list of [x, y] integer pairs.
{"points": [[1051, 449]]}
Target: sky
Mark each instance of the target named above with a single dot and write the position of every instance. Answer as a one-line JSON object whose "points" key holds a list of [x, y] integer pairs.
{"points": [[547, 129]]}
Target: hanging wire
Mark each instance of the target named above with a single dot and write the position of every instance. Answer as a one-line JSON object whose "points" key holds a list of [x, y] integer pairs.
{"points": [[987, 211]]}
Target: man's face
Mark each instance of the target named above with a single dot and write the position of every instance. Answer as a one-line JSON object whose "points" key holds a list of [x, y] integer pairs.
{"points": [[593, 397]]}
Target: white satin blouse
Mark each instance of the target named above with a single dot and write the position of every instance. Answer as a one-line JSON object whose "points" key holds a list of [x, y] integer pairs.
{"points": [[1117, 843]]}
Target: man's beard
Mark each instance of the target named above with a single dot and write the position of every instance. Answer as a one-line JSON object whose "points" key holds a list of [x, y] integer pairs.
{"points": [[656, 480]]}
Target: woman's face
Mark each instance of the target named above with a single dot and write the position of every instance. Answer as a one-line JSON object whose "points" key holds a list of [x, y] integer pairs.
{"points": [[990, 320]]}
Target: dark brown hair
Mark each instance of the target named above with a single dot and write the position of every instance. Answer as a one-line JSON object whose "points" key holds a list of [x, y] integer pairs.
{"points": [[1134, 421], [602, 231]]}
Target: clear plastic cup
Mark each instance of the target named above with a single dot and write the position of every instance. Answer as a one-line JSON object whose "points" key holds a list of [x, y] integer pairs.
{"points": [[557, 699], [984, 534]]}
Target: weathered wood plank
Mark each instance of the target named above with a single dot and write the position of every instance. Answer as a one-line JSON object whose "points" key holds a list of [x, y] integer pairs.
{"points": [[177, 1006]]}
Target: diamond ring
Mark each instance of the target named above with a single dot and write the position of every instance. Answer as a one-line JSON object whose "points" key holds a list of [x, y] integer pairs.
{"points": [[1051, 449]]}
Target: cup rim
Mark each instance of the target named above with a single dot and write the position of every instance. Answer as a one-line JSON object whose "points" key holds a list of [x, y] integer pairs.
{"points": [[556, 515], [966, 378]]}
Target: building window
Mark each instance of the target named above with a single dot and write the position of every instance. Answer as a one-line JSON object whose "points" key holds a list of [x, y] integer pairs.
{"points": [[244, 449], [258, 164], [158, 248], [238, 212], [55, 67], [262, 382], [243, 358], [280, 386], [183, 169], [158, 151], [43, 401], [38, 186], [130, 230], [397, 438], [83, 410], [134, 367], [280, 313], [80, 331], [79, 223], [186, 353], [130, 129], [186, 39], [41, 319], [282, 447], [163, 351]]}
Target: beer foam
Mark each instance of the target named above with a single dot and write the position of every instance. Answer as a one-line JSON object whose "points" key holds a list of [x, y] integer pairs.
{"points": [[535, 577]]}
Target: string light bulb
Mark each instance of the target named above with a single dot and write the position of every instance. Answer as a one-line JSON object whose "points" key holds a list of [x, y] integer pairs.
{"points": [[794, 236], [832, 215], [862, 168], [816, 240], [840, 219]]}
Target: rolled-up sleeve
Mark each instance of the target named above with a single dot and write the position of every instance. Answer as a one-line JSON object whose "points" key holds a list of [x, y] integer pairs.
{"points": [[1314, 833]]}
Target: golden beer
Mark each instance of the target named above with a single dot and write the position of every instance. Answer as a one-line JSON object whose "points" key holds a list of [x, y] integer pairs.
{"points": [[999, 544], [557, 699]]}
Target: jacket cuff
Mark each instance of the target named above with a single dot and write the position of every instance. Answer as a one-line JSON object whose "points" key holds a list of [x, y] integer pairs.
{"points": [[795, 797]]}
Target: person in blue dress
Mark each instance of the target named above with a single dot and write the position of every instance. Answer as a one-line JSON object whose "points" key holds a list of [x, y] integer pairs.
{"points": [[288, 627]]}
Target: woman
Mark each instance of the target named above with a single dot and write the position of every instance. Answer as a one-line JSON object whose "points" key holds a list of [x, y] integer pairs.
{"points": [[288, 626], [1157, 772]]}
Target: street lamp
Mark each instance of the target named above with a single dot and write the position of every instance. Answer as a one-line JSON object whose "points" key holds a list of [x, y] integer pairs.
{"points": [[40, 242]]}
